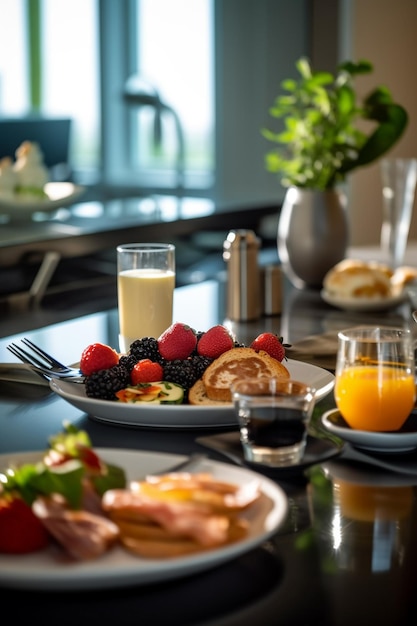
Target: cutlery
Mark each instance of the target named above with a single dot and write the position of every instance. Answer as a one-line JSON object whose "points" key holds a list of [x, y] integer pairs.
{"points": [[189, 464], [43, 363]]}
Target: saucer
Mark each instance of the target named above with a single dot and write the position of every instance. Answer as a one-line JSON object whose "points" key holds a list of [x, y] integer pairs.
{"points": [[364, 304], [228, 444], [403, 440]]}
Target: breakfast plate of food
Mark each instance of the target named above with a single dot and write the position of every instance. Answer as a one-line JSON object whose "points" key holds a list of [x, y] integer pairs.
{"points": [[56, 195], [149, 548], [395, 442], [25, 185], [149, 415]]}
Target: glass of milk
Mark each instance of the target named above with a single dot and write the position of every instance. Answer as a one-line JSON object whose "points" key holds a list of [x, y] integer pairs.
{"points": [[145, 288]]}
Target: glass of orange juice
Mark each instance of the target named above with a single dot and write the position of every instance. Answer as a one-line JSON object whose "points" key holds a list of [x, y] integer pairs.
{"points": [[145, 290], [375, 386]]}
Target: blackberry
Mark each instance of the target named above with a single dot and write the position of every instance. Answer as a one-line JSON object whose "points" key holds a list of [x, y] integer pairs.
{"points": [[200, 364], [238, 344], [146, 348], [181, 372], [104, 383], [128, 361]]}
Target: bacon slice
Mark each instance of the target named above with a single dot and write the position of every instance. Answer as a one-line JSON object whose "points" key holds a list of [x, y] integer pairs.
{"points": [[83, 535], [179, 519]]}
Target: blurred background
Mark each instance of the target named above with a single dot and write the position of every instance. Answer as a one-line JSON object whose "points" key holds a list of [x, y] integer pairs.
{"points": [[169, 96]]}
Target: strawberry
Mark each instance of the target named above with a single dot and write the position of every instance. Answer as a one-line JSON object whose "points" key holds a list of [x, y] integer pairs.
{"points": [[21, 531], [146, 371], [97, 356], [214, 342], [270, 343], [177, 342]]}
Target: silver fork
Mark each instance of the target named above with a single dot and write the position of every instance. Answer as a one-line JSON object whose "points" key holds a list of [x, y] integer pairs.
{"points": [[43, 363]]}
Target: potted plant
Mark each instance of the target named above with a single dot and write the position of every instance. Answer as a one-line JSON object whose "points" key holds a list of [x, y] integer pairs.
{"points": [[327, 134]]}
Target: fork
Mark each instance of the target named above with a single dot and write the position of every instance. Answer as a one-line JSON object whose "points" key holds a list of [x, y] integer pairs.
{"points": [[43, 363]]}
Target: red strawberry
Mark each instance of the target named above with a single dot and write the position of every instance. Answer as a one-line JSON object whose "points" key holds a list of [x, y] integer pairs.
{"points": [[214, 342], [97, 356], [146, 371], [177, 342], [270, 343], [21, 531]]}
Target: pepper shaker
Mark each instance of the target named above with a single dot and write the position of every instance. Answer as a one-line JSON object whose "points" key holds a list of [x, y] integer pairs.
{"points": [[240, 251]]}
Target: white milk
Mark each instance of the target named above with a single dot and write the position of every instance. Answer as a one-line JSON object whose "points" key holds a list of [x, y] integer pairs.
{"points": [[145, 300]]}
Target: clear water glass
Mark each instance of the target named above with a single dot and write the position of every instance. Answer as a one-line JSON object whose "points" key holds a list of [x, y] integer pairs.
{"points": [[399, 178]]}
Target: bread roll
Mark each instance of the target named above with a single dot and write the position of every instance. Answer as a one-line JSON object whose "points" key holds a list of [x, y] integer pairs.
{"points": [[357, 279]]}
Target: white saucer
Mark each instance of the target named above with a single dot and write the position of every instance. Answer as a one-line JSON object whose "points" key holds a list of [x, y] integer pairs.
{"points": [[403, 440], [364, 304]]}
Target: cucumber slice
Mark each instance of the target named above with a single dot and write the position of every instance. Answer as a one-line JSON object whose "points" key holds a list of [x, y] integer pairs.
{"points": [[163, 392]]}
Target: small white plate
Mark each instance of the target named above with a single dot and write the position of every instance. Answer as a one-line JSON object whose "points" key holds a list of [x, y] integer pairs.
{"points": [[180, 415], [364, 304], [59, 195], [45, 570], [403, 440]]}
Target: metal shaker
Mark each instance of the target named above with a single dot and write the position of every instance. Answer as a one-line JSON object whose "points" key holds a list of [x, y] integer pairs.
{"points": [[240, 251]]}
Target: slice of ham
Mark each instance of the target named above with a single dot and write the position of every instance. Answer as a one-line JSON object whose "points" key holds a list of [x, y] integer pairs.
{"points": [[179, 519], [82, 534]]}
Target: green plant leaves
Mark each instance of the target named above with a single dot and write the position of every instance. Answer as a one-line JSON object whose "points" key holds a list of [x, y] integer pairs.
{"points": [[321, 142]]}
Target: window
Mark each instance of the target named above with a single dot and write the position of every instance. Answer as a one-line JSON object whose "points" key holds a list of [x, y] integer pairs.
{"points": [[69, 75], [211, 69]]}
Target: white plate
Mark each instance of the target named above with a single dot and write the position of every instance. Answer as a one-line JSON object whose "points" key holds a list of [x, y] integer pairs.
{"points": [[181, 415], [44, 570], [403, 440], [364, 304], [59, 195]]}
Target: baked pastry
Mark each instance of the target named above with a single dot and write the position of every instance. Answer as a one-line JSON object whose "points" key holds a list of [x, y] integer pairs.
{"points": [[357, 279], [236, 364], [32, 174], [8, 178]]}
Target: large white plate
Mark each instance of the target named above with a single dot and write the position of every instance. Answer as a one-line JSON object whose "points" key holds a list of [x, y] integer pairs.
{"points": [[403, 440], [364, 304], [59, 195], [179, 416], [44, 570]]}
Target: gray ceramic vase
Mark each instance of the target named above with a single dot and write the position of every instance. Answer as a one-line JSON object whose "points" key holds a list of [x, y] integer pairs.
{"points": [[312, 234]]}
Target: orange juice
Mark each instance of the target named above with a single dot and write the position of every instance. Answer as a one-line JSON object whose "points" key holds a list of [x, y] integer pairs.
{"points": [[374, 502], [145, 300], [375, 398]]}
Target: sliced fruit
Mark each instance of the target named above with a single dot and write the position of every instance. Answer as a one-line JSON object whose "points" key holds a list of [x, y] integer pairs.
{"points": [[162, 392]]}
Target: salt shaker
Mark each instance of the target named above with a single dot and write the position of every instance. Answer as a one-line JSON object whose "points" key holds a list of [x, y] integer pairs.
{"points": [[240, 251], [272, 284]]}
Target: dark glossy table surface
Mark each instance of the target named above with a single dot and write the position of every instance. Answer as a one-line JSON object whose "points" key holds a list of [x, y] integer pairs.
{"points": [[346, 553]]}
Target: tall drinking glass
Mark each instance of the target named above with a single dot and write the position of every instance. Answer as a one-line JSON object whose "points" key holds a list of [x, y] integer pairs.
{"points": [[145, 286], [399, 178], [375, 377]]}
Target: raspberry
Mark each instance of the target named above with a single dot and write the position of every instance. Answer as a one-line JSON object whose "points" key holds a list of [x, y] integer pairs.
{"points": [[177, 342], [97, 356], [214, 342], [270, 343], [146, 371]]}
